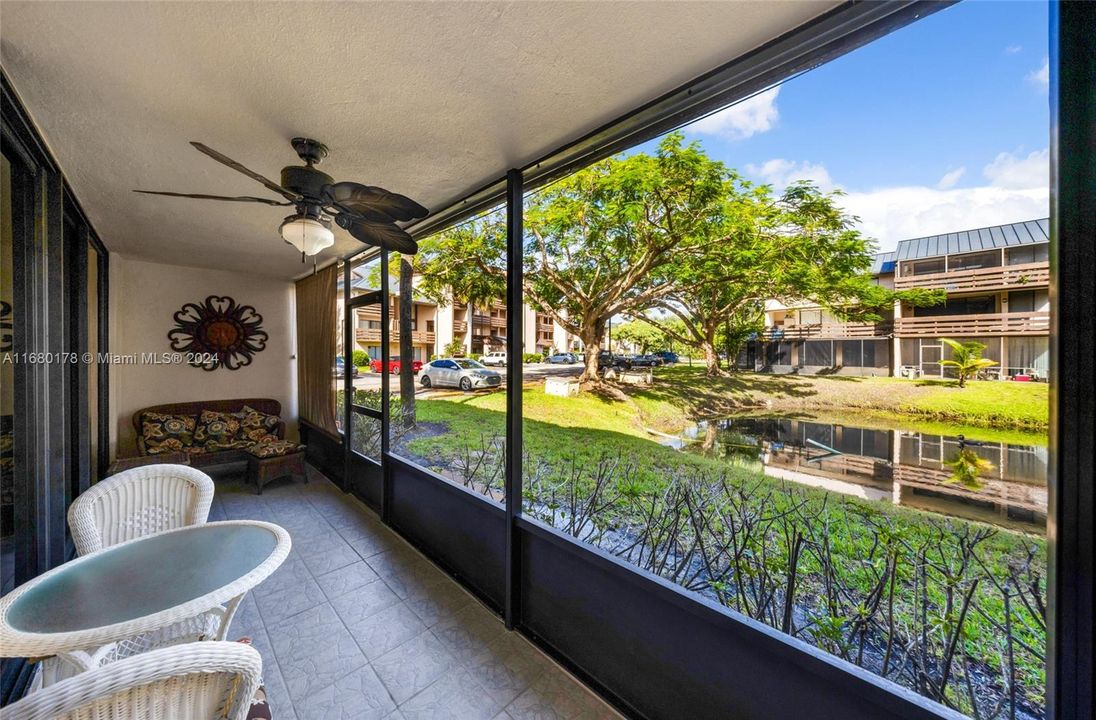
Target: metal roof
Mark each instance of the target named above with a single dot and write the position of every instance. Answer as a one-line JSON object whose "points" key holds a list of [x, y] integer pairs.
{"points": [[883, 263], [988, 238]]}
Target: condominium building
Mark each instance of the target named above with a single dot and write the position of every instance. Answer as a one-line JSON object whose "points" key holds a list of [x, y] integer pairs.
{"points": [[480, 328], [997, 284]]}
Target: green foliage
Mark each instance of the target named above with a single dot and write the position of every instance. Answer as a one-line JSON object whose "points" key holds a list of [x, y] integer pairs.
{"points": [[966, 358], [643, 336], [967, 469], [360, 358], [456, 347], [532, 358]]}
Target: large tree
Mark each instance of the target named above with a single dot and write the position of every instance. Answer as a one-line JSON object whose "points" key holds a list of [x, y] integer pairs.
{"points": [[800, 246], [596, 242]]}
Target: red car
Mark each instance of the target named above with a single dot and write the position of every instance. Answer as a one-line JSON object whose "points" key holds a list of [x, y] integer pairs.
{"points": [[394, 366]]}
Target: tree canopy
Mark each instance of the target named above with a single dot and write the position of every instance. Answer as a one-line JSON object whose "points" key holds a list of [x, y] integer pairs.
{"points": [[673, 238]]}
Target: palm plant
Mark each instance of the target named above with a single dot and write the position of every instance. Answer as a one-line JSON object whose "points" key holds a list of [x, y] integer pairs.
{"points": [[966, 358]]}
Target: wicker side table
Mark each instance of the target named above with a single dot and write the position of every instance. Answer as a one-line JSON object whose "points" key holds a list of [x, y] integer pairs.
{"points": [[262, 470]]}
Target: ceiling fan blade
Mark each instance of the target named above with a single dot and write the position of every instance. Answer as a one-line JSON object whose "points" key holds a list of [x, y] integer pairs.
{"points": [[367, 197], [226, 160], [242, 198], [385, 235]]}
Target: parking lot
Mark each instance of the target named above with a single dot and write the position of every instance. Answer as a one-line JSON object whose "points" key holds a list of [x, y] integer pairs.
{"points": [[531, 371]]}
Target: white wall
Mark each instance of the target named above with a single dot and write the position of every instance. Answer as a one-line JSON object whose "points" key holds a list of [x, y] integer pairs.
{"points": [[143, 298]]}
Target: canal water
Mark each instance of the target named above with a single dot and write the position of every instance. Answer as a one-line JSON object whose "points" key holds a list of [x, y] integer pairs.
{"points": [[1003, 484]]}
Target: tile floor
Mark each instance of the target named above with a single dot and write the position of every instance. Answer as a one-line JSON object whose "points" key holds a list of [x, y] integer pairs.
{"points": [[358, 624]]}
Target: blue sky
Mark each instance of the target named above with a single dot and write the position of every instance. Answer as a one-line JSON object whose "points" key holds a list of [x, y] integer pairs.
{"points": [[941, 126]]}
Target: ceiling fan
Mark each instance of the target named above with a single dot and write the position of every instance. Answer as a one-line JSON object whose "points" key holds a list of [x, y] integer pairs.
{"points": [[368, 213]]}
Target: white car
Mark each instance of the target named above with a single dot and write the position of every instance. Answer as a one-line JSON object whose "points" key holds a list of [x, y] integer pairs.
{"points": [[458, 372], [494, 358]]}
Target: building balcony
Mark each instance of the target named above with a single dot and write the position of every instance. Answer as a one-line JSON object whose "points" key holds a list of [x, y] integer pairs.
{"points": [[1028, 323], [826, 331], [418, 337], [545, 327], [498, 322], [460, 326], [1008, 277]]}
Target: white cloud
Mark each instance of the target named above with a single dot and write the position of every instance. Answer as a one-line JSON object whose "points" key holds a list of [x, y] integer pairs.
{"points": [[780, 173], [1013, 49], [950, 178], [1011, 171], [1016, 188], [1041, 77], [753, 115], [899, 213]]}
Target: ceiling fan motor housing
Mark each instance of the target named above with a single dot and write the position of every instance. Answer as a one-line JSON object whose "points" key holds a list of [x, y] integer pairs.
{"points": [[306, 181]]}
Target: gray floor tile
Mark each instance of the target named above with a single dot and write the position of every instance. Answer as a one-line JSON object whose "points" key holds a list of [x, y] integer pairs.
{"points": [[277, 694], [354, 607], [313, 650], [343, 638], [325, 552], [288, 591], [358, 695], [455, 696], [386, 630], [510, 668], [343, 580], [413, 666], [470, 633], [437, 603]]}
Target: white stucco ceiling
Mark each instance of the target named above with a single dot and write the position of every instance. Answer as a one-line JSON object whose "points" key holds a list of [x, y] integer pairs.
{"points": [[427, 99]]}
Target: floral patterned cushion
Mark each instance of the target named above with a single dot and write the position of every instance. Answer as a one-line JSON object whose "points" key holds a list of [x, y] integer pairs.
{"points": [[256, 426], [274, 449], [167, 433], [217, 431]]}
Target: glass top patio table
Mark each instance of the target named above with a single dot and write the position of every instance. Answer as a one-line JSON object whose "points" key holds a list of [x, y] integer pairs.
{"points": [[139, 585]]}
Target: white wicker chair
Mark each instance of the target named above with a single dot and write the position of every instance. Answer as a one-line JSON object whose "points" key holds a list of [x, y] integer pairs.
{"points": [[126, 506], [185, 682], [139, 502]]}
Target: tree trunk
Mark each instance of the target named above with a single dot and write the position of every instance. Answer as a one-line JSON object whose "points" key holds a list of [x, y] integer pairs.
{"points": [[591, 338], [407, 370], [711, 357]]}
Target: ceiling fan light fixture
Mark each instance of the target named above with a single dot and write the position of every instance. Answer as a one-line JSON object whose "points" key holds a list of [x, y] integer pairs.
{"points": [[308, 235]]}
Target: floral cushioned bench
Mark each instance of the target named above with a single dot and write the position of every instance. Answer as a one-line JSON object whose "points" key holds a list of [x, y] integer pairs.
{"points": [[209, 432]]}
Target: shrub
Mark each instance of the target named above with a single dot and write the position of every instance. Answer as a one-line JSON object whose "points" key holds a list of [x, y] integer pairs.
{"points": [[476, 356], [532, 358], [360, 358], [454, 348]]}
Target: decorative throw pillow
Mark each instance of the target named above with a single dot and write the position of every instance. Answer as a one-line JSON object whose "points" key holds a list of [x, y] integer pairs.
{"points": [[256, 426], [167, 433], [273, 449], [217, 430]]}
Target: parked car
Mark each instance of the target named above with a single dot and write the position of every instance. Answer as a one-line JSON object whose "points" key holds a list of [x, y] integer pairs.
{"points": [[668, 356], [340, 368], [458, 372], [394, 366], [494, 358], [562, 359], [646, 361], [608, 360]]}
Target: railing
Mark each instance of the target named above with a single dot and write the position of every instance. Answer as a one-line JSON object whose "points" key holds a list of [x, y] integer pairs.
{"points": [[459, 326], [417, 336], [827, 330], [545, 327], [1010, 494], [498, 322], [1030, 323], [1029, 275]]}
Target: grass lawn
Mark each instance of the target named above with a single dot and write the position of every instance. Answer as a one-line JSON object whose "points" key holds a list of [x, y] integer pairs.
{"points": [[577, 432], [681, 393]]}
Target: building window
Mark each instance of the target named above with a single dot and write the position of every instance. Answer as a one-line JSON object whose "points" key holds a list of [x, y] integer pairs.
{"points": [[1028, 254]]}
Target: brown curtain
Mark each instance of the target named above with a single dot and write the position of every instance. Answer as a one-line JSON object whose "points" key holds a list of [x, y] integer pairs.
{"points": [[316, 321]]}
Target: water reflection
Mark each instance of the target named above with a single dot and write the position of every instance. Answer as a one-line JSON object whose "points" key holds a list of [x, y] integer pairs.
{"points": [[997, 483]]}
